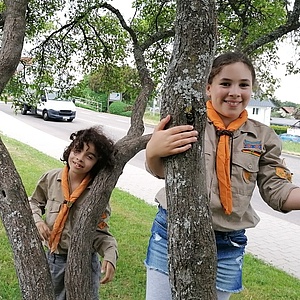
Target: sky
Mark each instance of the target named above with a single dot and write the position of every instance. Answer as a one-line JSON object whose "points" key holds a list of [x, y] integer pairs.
{"points": [[289, 85], [124, 6]]}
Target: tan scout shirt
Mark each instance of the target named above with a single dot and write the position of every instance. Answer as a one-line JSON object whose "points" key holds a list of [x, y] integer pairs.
{"points": [[48, 195], [255, 160]]}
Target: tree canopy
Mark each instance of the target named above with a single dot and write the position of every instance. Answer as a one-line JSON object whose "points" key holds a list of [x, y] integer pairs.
{"points": [[69, 39]]}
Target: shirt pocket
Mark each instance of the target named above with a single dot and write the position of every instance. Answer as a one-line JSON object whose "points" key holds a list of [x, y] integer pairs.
{"points": [[52, 210], [245, 167]]}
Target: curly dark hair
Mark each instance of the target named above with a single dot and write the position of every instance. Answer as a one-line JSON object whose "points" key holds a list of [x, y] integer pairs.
{"points": [[104, 147]]}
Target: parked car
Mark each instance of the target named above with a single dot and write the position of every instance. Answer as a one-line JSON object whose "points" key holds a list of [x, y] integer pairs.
{"points": [[52, 107], [290, 137], [294, 129]]}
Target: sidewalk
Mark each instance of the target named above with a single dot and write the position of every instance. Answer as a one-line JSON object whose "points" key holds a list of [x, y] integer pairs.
{"points": [[273, 240]]}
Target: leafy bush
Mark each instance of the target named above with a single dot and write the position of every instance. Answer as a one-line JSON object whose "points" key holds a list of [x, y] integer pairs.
{"points": [[101, 98], [127, 113], [279, 129], [120, 108]]}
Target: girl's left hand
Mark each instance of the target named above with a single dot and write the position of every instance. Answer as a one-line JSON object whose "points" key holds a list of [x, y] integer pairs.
{"points": [[108, 269]]}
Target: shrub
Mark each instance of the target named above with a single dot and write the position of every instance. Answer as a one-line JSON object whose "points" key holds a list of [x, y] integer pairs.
{"points": [[120, 108], [127, 113], [279, 129]]}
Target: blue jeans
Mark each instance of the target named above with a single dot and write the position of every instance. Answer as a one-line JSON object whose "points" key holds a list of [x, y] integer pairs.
{"points": [[57, 265], [230, 253]]}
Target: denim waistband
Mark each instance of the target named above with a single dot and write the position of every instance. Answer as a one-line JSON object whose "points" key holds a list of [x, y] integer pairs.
{"points": [[230, 233], [162, 210], [58, 255]]}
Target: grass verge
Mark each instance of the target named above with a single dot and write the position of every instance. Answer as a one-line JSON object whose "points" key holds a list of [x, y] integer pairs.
{"points": [[130, 223]]}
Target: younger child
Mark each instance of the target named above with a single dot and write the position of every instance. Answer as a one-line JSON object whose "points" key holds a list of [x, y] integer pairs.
{"points": [[59, 195]]}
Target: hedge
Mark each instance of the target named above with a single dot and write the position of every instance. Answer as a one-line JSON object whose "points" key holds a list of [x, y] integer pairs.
{"points": [[120, 108]]}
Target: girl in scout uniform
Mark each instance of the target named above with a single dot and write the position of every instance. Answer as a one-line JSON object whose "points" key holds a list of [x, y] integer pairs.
{"points": [[252, 151], [59, 195]]}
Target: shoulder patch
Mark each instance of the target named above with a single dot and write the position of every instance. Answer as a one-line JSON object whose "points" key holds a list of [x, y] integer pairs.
{"points": [[284, 174]]}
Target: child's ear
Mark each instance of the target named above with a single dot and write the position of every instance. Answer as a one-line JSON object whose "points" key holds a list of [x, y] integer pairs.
{"points": [[207, 90]]}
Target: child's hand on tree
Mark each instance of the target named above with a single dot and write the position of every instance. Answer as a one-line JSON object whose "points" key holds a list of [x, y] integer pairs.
{"points": [[44, 231]]}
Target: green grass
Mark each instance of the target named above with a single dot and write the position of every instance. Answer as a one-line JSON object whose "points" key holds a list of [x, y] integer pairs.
{"points": [[30, 163], [291, 147], [150, 118], [130, 223]]}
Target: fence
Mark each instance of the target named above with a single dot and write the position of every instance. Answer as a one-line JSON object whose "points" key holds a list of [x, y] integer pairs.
{"points": [[89, 102]]}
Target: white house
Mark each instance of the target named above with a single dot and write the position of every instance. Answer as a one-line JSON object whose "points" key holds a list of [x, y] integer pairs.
{"points": [[260, 110]]}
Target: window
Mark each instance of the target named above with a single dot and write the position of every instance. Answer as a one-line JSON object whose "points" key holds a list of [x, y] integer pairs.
{"points": [[255, 111]]}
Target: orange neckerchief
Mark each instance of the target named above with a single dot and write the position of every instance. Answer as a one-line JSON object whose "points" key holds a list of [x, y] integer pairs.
{"points": [[223, 153], [64, 211]]}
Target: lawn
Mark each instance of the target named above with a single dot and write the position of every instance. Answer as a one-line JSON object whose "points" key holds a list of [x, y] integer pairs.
{"points": [[130, 223]]}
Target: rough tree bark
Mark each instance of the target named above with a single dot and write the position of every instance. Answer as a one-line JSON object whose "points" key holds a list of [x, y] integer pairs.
{"points": [[191, 244], [191, 89], [29, 256], [12, 39], [35, 280]]}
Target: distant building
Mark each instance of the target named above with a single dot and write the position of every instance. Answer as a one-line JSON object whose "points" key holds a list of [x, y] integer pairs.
{"points": [[260, 110], [287, 111], [282, 121], [24, 62]]}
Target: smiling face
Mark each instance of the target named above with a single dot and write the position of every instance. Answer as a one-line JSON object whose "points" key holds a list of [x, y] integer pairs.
{"points": [[82, 161], [230, 91]]}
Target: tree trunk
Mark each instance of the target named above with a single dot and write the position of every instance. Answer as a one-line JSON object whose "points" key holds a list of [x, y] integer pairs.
{"points": [[192, 277], [12, 40], [29, 256], [79, 255], [191, 243]]}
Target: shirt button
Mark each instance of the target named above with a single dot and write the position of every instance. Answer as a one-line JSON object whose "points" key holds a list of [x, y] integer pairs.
{"points": [[250, 166]]}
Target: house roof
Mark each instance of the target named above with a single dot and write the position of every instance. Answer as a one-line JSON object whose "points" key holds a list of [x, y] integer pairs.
{"points": [[288, 109], [27, 61], [282, 121], [261, 103]]}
